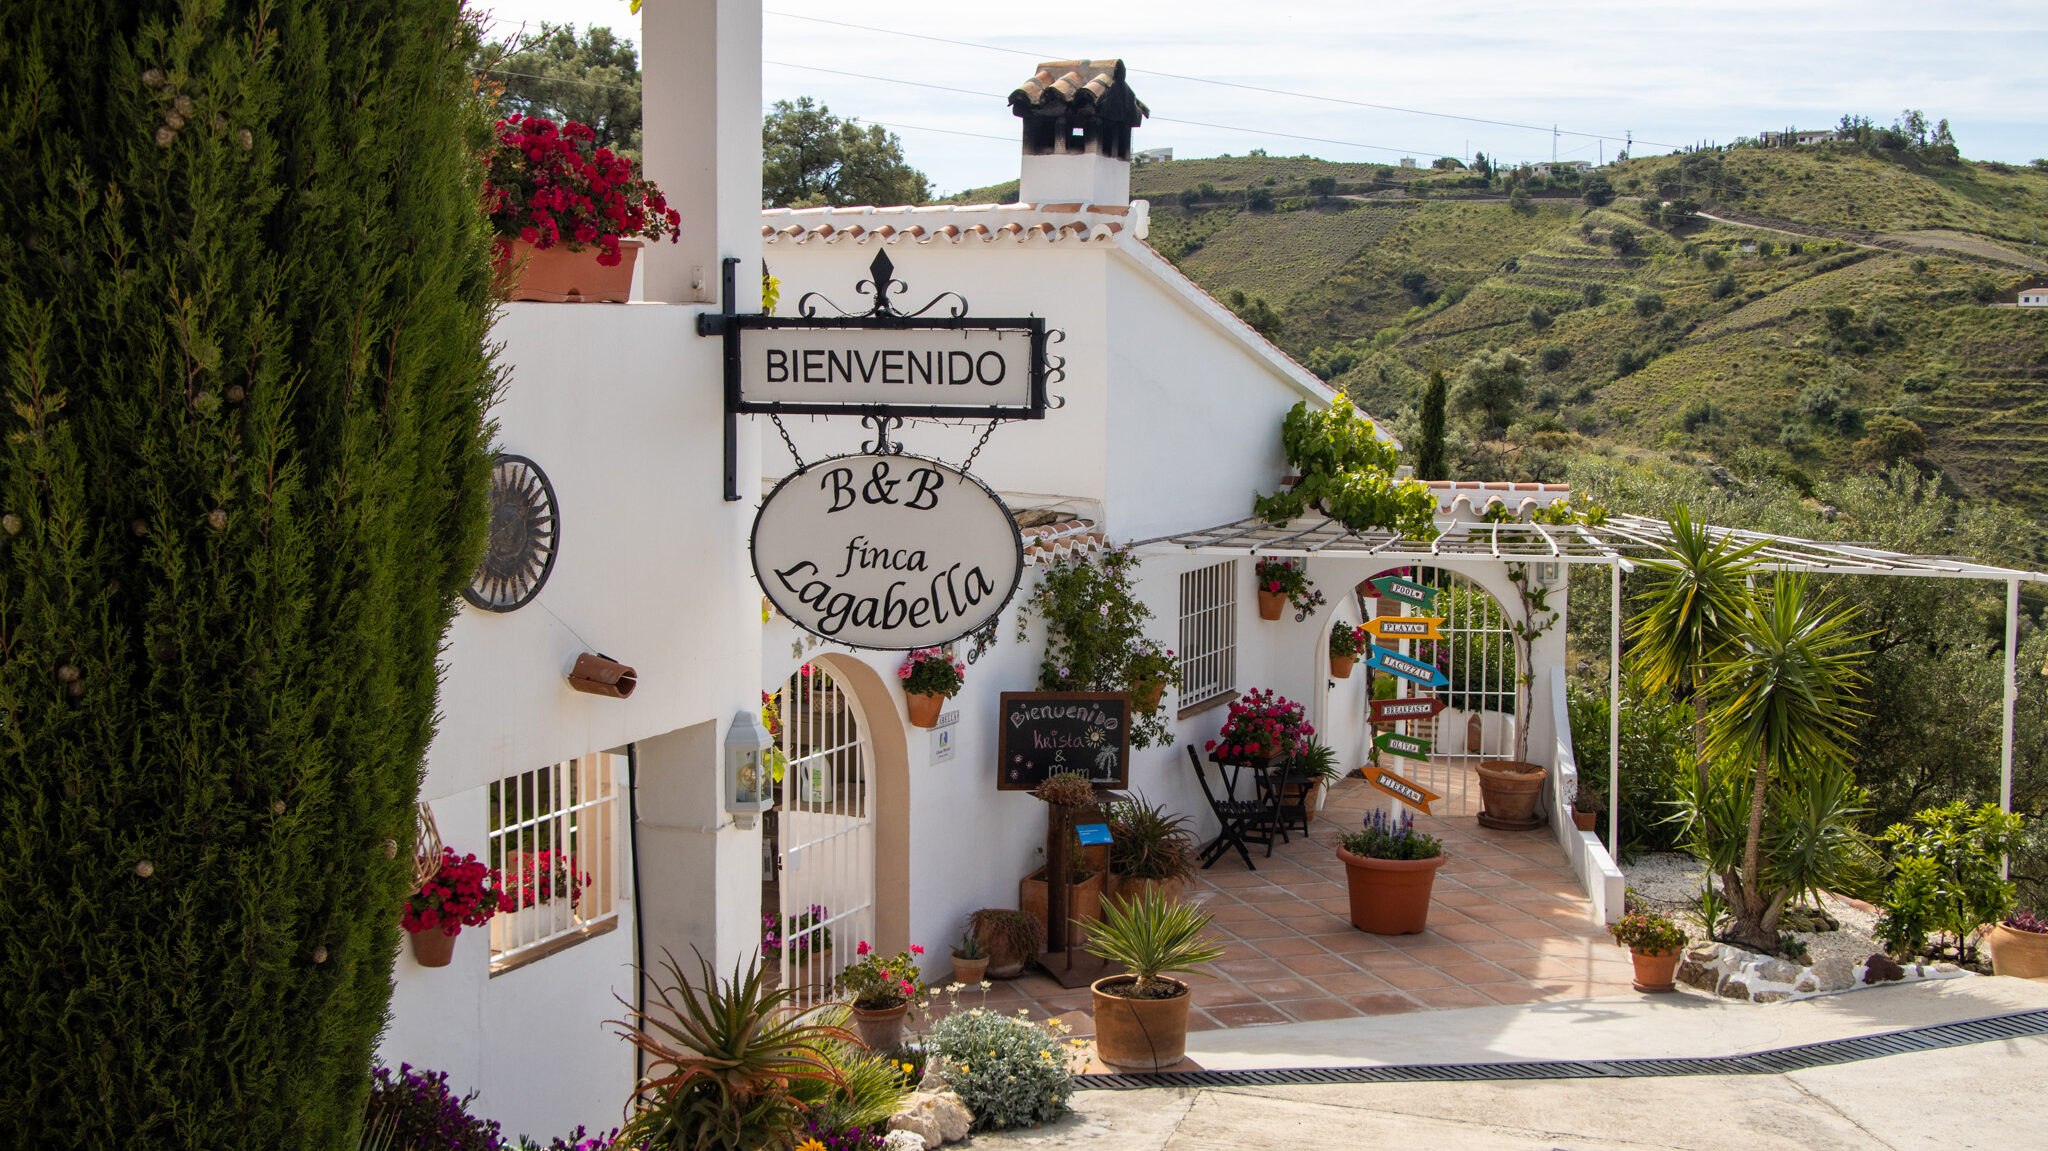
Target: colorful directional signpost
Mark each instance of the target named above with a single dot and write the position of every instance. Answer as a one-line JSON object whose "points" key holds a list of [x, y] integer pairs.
{"points": [[1426, 674], [1414, 707], [1406, 746], [1407, 591], [1397, 627], [1404, 789]]}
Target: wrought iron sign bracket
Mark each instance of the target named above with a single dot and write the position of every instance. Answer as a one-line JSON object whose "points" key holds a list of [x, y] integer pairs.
{"points": [[871, 399]]}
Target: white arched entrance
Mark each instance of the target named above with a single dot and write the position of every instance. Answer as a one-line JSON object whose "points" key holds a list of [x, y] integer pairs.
{"points": [[818, 849]]}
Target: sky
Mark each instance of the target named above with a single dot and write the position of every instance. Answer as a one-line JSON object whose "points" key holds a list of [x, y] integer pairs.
{"points": [[1368, 80]]}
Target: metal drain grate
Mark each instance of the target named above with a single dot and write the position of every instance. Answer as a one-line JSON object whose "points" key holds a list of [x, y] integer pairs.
{"points": [[1775, 1062]]}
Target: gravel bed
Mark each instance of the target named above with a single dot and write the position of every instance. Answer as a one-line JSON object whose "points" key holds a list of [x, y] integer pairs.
{"points": [[1670, 882]]}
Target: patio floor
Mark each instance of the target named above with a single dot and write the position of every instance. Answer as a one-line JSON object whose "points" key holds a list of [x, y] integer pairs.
{"points": [[1507, 924]]}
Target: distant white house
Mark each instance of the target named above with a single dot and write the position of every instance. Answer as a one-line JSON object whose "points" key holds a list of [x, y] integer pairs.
{"points": [[2033, 298], [1152, 156], [1557, 167], [1813, 136], [1408, 161]]}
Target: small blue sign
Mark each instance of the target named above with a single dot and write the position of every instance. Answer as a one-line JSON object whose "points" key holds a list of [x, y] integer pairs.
{"points": [[1093, 833], [1426, 674]]}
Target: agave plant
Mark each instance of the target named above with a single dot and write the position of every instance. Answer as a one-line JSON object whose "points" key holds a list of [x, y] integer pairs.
{"points": [[730, 1065], [1153, 937]]}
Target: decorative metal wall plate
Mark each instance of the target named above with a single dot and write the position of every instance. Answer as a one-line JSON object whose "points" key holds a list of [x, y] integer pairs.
{"points": [[525, 531]]}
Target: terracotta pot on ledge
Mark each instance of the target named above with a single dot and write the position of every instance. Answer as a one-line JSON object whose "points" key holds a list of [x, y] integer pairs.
{"points": [[1340, 665], [558, 275]]}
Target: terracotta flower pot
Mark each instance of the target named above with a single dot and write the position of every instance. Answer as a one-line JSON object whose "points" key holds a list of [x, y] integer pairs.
{"points": [[1475, 734], [1140, 1034], [559, 276], [1340, 665], [1509, 789], [970, 971], [1271, 605], [881, 1028], [2023, 954], [1145, 696], [433, 947], [924, 708], [1389, 896], [1585, 820], [1656, 970]]}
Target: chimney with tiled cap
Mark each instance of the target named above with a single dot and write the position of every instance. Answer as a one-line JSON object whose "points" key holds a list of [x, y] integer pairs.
{"points": [[1078, 116]]}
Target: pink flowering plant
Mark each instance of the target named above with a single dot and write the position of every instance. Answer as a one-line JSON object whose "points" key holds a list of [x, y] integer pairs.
{"points": [[805, 928], [929, 671], [463, 893], [1290, 578], [1262, 725], [1348, 642], [549, 184], [876, 983], [1153, 669]]}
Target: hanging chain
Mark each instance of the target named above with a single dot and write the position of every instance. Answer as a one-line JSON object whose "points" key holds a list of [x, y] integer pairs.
{"points": [[786, 441], [978, 445]]}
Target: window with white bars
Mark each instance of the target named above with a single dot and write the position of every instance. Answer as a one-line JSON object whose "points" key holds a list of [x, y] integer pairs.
{"points": [[1208, 632], [553, 840]]}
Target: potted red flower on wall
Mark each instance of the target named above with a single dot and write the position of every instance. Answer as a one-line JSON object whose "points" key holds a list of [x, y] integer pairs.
{"points": [[566, 210], [1285, 582], [462, 893], [930, 677]]}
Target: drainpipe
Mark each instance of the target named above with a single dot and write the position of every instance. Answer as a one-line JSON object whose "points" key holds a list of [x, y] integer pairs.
{"points": [[633, 860]]}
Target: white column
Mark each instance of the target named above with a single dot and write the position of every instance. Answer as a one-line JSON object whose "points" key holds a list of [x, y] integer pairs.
{"points": [[2012, 691], [701, 138], [1614, 716]]}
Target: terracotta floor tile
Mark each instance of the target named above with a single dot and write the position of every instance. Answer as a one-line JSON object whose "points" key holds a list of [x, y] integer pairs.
{"points": [[1495, 913], [1468, 933], [1248, 1015], [1452, 997], [1298, 909], [1317, 965], [1542, 968], [1411, 978], [1315, 1010], [1276, 990], [1232, 879], [1440, 956], [1385, 1003], [1530, 929], [1477, 973], [1513, 992], [1239, 949], [1352, 983], [1199, 1021], [1221, 993], [1290, 946], [1352, 942], [1258, 929], [1248, 969]]}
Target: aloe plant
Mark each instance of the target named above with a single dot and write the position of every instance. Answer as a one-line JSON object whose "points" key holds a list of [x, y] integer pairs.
{"points": [[1153, 937]]}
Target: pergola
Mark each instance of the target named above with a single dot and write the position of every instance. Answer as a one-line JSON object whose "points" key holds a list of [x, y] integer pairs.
{"points": [[1616, 543]]}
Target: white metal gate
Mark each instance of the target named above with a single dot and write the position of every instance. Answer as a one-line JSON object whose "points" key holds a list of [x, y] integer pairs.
{"points": [[1478, 656], [825, 834]]}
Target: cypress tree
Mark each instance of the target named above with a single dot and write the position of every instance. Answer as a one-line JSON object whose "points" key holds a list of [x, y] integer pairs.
{"points": [[243, 299], [1429, 455]]}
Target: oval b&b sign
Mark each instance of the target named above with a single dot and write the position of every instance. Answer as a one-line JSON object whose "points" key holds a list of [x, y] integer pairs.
{"points": [[893, 552]]}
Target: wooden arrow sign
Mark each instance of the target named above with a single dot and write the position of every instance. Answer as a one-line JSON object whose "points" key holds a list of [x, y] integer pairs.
{"points": [[1392, 627], [1414, 707], [1406, 790], [1407, 591], [1428, 675], [1406, 746]]}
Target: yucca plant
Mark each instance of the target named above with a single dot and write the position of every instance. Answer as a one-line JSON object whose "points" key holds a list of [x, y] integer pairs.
{"points": [[868, 1090], [1693, 610], [1787, 703], [1153, 937], [730, 1066]]}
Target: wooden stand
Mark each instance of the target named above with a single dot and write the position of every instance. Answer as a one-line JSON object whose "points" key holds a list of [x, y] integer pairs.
{"points": [[1060, 960]]}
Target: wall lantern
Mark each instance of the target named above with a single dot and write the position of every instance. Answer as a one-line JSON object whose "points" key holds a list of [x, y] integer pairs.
{"points": [[748, 789]]}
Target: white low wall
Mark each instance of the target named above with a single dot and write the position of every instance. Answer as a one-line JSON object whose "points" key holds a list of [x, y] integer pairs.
{"points": [[1598, 875]]}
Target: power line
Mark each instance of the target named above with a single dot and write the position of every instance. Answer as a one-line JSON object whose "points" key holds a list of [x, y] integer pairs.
{"points": [[1217, 83]]}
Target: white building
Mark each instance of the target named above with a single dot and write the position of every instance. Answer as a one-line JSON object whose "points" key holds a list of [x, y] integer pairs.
{"points": [[1169, 421], [2033, 298]]}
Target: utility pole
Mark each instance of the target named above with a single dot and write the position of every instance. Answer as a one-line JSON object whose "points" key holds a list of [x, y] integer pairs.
{"points": [[1553, 143]]}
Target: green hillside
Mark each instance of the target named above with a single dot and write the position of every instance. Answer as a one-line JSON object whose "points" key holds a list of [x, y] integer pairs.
{"points": [[1838, 300]]}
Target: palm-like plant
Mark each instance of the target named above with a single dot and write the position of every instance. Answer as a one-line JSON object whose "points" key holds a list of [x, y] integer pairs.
{"points": [[1694, 608], [738, 1066], [1786, 694], [1153, 937]]}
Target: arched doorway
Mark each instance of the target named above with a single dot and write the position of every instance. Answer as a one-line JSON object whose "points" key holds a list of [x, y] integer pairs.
{"points": [[1478, 656], [818, 845]]}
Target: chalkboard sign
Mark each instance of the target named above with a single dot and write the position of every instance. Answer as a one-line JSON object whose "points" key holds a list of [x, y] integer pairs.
{"points": [[1049, 732]]}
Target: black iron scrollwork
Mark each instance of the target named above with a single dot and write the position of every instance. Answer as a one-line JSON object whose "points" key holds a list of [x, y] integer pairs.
{"points": [[881, 284], [881, 445], [984, 637]]}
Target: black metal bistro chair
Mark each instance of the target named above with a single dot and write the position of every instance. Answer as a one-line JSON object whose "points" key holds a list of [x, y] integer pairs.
{"points": [[1242, 820], [1288, 793]]}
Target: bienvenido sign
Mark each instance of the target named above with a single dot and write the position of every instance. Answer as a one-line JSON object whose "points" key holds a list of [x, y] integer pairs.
{"points": [[849, 369], [886, 551]]}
